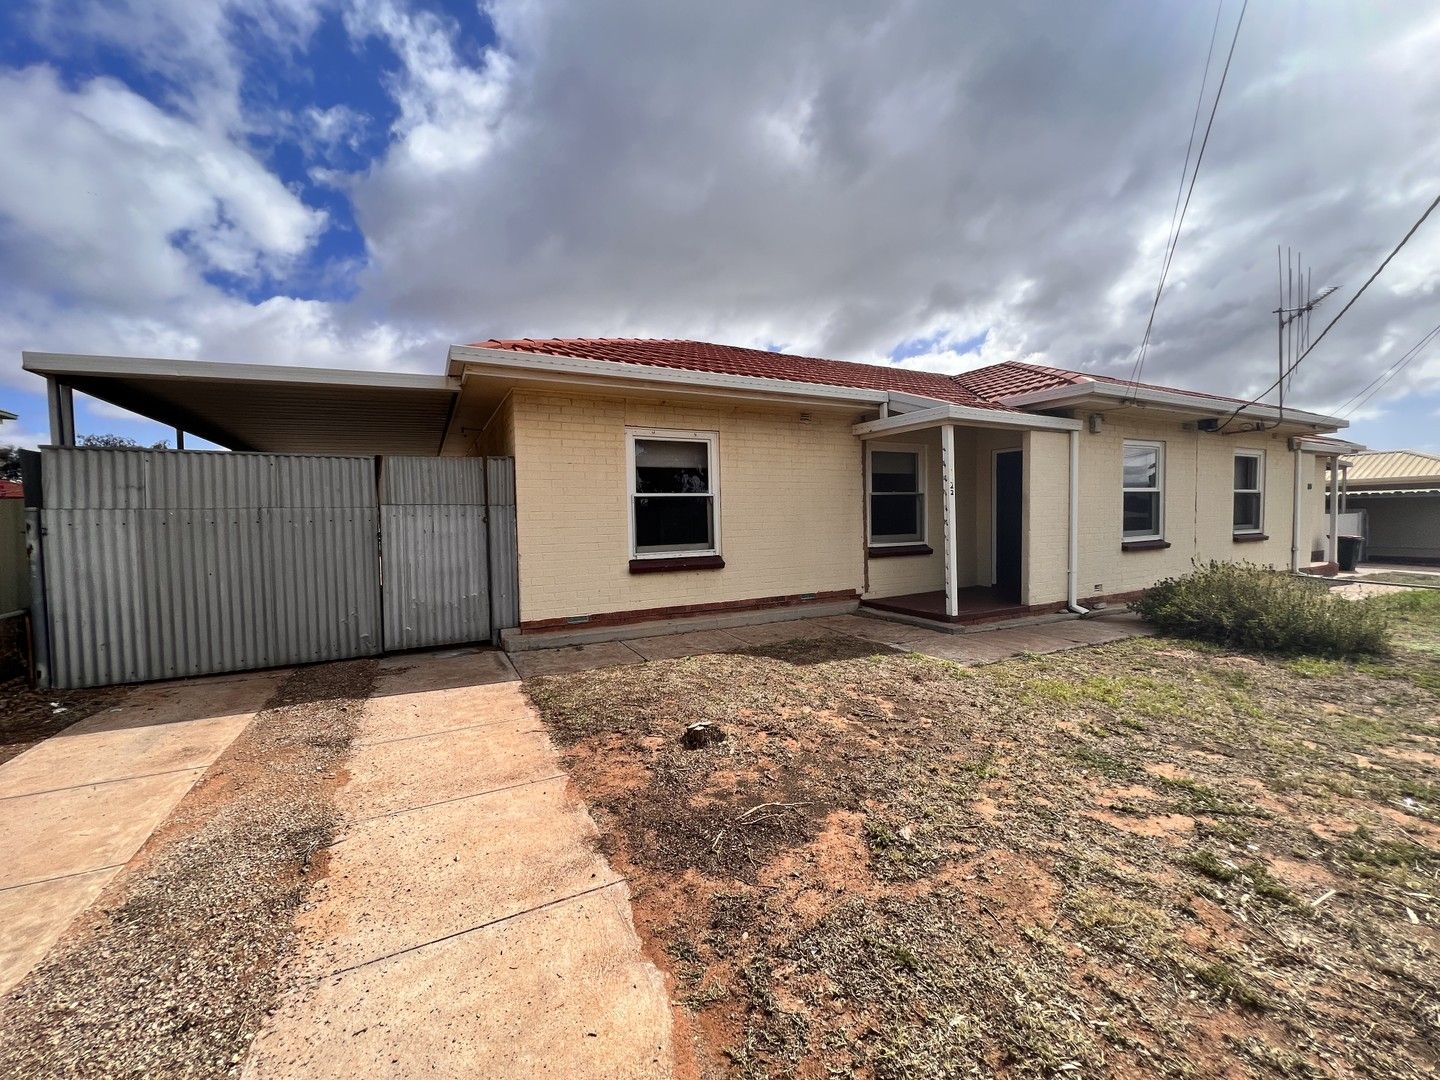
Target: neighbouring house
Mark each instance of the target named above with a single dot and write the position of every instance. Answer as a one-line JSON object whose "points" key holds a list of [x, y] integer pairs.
{"points": [[1397, 495], [664, 480]]}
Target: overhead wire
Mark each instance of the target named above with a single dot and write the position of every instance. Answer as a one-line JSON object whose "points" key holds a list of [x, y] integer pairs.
{"points": [[1177, 223], [1290, 370], [1375, 385]]}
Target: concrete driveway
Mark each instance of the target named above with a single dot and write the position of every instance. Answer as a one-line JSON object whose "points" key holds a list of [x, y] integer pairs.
{"points": [[467, 924], [75, 808]]}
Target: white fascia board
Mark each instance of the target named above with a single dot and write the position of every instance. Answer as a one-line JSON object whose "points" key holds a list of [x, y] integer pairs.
{"points": [[1060, 396], [574, 369], [962, 414], [61, 365], [1327, 446]]}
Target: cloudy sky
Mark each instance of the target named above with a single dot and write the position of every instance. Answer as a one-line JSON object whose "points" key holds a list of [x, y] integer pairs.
{"points": [[362, 182]]}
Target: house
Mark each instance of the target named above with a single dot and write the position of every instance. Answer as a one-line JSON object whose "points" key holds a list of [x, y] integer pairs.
{"points": [[664, 480], [1398, 494]]}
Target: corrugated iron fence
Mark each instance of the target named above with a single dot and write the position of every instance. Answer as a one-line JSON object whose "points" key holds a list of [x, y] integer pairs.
{"points": [[160, 564]]}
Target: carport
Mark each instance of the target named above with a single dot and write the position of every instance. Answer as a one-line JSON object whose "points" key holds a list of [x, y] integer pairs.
{"points": [[347, 519], [259, 407]]}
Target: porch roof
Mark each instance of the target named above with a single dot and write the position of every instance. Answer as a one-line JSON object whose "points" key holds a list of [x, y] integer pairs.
{"points": [[922, 418]]}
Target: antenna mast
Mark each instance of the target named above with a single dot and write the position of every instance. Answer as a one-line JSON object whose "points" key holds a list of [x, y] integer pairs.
{"points": [[1292, 317]]}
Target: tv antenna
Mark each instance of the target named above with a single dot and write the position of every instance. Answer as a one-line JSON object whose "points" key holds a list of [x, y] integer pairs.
{"points": [[1292, 317]]}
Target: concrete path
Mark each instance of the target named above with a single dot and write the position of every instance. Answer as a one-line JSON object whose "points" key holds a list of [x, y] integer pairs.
{"points": [[75, 808], [467, 924], [975, 647]]}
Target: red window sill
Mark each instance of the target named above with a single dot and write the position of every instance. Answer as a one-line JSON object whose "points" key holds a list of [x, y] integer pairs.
{"points": [[1249, 538], [680, 562], [1144, 545], [897, 550]]}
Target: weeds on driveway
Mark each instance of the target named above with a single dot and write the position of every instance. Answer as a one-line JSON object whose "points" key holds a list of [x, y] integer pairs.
{"points": [[1143, 858]]}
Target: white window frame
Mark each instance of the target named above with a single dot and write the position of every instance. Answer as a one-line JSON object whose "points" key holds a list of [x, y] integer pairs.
{"points": [[1158, 489], [1259, 456], [922, 467], [711, 439]]}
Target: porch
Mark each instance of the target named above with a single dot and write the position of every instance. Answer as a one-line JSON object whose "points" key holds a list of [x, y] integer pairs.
{"points": [[974, 604], [968, 514]]}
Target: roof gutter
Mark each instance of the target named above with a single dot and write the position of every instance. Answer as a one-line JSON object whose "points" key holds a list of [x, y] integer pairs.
{"points": [[679, 380], [1326, 446], [1059, 396], [73, 365]]}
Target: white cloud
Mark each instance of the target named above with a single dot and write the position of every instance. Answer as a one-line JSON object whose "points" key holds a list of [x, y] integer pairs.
{"points": [[116, 202], [839, 178]]}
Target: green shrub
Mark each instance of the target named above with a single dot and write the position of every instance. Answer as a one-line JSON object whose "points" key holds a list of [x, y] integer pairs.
{"points": [[1250, 607]]}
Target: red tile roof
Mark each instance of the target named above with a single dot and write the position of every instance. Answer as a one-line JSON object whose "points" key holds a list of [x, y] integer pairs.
{"points": [[756, 363], [1012, 377], [11, 489], [983, 388]]}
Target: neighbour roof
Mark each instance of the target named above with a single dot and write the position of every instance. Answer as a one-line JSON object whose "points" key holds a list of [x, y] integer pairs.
{"points": [[1391, 466], [755, 363], [11, 489], [1013, 377]]}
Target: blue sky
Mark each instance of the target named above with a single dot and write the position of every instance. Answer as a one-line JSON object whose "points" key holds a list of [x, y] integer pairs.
{"points": [[361, 182]]}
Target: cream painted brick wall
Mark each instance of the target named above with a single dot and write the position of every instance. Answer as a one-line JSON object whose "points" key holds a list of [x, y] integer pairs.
{"points": [[925, 573], [1047, 517], [498, 438], [790, 505], [1198, 507]]}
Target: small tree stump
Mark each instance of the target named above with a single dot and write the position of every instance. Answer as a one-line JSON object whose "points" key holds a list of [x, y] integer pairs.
{"points": [[700, 735]]}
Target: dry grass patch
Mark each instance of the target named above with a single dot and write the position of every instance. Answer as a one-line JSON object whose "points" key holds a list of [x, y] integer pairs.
{"points": [[898, 867]]}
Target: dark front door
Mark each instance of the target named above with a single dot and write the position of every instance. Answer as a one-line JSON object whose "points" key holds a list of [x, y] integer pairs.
{"points": [[1009, 483]]}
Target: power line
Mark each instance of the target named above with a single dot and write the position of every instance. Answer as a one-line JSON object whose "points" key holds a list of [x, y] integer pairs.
{"points": [[1339, 315], [1170, 233], [1194, 175], [1375, 385]]}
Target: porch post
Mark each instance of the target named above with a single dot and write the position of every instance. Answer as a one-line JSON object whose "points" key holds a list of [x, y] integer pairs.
{"points": [[1295, 501], [947, 494], [1333, 555]]}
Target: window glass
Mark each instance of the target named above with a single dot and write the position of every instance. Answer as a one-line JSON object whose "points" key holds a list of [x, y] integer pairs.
{"points": [[1249, 492], [897, 499], [1142, 466], [1247, 511], [1142, 513], [671, 467], [1143, 500], [894, 470], [680, 524], [895, 517]]}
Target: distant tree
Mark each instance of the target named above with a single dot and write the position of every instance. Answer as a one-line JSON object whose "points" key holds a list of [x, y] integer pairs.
{"points": [[119, 442], [10, 463]]}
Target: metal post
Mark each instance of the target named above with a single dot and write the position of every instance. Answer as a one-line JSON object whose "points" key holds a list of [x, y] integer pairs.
{"points": [[947, 493], [62, 413], [1296, 516], [179, 439], [1334, 553]]}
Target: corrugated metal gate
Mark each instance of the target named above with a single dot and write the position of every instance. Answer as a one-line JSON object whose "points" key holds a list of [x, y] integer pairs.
{"points": [[160, 564], [433, 553]]}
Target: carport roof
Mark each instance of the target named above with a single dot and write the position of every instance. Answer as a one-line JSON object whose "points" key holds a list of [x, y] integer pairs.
{"points": [[269, 408]]}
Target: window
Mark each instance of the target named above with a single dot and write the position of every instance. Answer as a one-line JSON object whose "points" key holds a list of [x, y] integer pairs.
{"points": [[1144, 495], [896, 481], [1249, 491], [673, 494]]}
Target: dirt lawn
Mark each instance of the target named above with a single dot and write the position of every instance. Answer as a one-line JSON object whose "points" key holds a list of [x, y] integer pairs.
{"points": [[1145, 858]]}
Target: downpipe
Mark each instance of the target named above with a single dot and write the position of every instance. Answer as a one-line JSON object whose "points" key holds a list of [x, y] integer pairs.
{"points": [[1072, 566]]}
